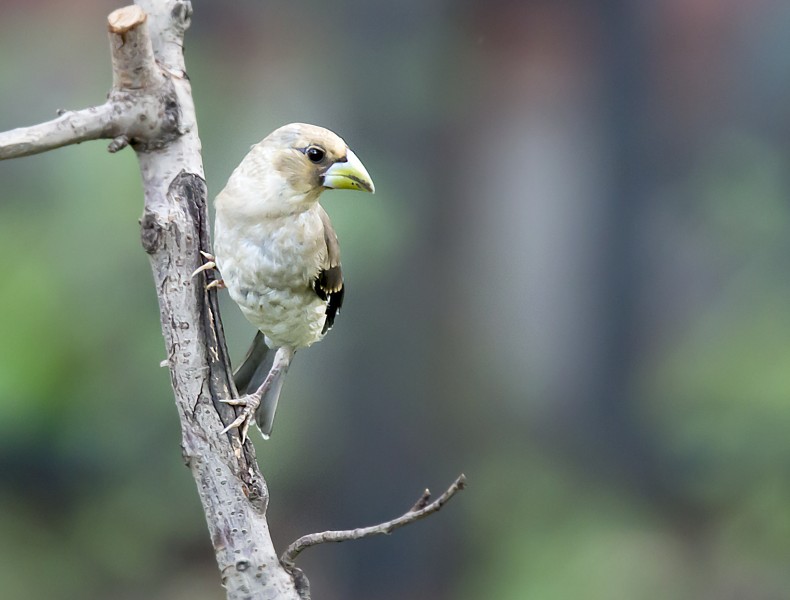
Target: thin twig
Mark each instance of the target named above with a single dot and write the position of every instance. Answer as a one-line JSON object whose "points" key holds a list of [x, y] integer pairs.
{"points": [[420, 510]]}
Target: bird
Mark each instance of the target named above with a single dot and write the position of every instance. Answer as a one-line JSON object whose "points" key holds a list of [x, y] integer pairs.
{"points": [[278, 255]]}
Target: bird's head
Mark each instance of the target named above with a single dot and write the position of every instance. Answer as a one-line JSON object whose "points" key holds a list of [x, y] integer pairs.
{"points": [[314, 158], [295, 163], [288, 170]]}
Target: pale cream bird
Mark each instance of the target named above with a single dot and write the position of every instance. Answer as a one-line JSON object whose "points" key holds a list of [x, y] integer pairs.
{"points": [[278, 254]]}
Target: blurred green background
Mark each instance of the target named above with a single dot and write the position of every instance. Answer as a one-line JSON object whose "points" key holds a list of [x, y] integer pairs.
{"points": [[571, 284]]}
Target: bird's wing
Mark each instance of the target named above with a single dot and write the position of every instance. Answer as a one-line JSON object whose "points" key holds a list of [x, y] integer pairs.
{"points": [[329, 282]]}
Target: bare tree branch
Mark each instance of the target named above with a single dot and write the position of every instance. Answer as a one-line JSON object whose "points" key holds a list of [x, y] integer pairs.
{"points": [[70, 128], [174, 229], [140, 109], [420, 510], [133, 61]]}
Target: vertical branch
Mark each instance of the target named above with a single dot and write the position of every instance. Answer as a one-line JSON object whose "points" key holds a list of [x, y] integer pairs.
{"points": [[174, 229]]}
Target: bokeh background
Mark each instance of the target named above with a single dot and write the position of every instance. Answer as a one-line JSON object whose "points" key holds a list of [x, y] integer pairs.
{"points": [[572, 285]]}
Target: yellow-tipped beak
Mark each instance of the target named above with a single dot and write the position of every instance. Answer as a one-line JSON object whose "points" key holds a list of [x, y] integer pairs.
{"points": [[349, 175]]}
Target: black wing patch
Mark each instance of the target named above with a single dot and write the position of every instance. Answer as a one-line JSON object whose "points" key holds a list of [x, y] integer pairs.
{"points": [[329, 283], [329, 286]]}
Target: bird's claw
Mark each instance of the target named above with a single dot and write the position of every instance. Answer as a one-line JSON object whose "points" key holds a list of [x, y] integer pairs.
{"points": [[209, 265], [246, 417]]}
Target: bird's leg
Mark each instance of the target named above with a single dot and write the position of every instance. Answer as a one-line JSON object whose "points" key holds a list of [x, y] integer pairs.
{"points": [[267, 393], [209, 265]]}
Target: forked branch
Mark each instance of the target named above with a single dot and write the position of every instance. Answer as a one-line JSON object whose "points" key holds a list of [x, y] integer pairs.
{"points": [[141, 108], [422, 508]]}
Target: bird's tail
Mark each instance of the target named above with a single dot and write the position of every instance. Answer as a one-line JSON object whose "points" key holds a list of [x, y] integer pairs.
{"points": [[256, 367], [264, 416]]}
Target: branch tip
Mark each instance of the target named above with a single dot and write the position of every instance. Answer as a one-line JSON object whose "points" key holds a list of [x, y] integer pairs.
{"points": [[118, 143], [422, 502], [125, 19]]}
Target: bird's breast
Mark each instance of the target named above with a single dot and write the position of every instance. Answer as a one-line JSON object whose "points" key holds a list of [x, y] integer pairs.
{"points": [[269, 268]]}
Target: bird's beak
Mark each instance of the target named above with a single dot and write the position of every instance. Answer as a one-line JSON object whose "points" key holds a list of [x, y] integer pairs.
{"points": [[349, 175]]}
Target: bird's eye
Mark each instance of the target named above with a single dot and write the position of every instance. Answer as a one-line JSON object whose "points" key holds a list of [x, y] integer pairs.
{"points": [[315, 154]]}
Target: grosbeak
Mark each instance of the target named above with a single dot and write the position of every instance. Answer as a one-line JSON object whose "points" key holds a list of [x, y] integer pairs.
{"points": [[278, 254]]}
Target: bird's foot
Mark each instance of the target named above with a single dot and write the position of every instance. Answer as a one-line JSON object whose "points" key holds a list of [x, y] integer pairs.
{"points": [[209, 265], [246, 417]]}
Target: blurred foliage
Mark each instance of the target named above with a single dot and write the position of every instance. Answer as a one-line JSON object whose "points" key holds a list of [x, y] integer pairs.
{"points": [[571, 284]]}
